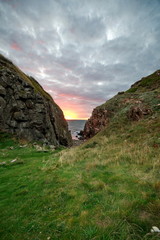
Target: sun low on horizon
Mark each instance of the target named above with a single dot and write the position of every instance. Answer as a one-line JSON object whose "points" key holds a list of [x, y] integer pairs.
{"points": [[71, 108], [71, 115]]}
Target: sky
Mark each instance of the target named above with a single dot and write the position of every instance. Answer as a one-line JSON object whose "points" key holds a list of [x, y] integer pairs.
{"points": [[82, 52]]}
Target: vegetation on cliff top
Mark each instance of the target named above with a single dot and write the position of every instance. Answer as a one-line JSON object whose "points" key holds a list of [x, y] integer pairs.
{"points": [[148, 83], [141, 101], [7, 64], [146, 92]]}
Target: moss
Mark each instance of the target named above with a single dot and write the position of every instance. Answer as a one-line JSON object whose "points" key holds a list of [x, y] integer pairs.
{"points": [[39, 88], [32, 82], [132, 90]]}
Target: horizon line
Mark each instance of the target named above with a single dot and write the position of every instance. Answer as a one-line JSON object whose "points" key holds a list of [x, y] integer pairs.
{"points": [[76, 118]]}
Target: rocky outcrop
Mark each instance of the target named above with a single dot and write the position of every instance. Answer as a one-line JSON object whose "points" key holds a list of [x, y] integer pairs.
{"points": [[138, 112], [140, 101], [98, 120], [27, 111]]}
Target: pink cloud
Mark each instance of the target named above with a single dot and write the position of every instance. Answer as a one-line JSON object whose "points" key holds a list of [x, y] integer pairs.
{"points": [[70, 102], [16, 47]]}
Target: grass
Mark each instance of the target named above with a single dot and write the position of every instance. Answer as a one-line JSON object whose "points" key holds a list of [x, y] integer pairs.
{"points": [[150, 82], [107, 188]]}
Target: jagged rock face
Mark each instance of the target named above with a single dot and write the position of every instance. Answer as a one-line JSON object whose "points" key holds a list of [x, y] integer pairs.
{"points": [[27, 112], [98, 120], [137, 112], [125, 108]]}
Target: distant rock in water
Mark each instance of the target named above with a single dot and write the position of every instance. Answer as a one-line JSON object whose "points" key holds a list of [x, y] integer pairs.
{"points": [[141, 101], [27, 111]]}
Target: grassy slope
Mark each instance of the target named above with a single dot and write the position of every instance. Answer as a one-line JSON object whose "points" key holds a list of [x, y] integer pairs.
{"points": [[144, 93], [150, 82]]}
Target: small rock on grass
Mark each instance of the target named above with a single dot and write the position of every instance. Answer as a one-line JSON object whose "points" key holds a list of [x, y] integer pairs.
{"points": [[23, 146], [14, 160], [52, 147], [3, 163], [11, 148], [155, 229]]}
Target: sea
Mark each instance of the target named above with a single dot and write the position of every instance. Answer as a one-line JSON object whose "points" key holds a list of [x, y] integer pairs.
{"points": [[75, 126]]}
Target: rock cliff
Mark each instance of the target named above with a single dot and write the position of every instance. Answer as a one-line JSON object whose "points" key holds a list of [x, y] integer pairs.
{"points": [[140, 101], [27, 111]]}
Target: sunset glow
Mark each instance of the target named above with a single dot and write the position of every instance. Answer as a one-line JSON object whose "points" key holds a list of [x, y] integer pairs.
{"points": [[70, 115], [71, 109]]}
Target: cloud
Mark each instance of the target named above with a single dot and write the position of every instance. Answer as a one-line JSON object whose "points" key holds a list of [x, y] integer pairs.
{"points": [[15, 46], [82, 52]]}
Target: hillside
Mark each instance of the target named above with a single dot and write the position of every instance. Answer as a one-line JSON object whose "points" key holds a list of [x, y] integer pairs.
{"points": [[27, 111], [142, 100], [107, 188]]}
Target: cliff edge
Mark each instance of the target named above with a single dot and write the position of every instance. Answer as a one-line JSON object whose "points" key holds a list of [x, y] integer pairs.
{"points": [[27, 111], [142, 100]]}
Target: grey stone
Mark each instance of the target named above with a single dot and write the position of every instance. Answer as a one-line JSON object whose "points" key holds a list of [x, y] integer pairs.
{"points": [[12, 124], [2, 91], [2, 103], [40, 108], [19, 116], [21, 105], [30, 104]]}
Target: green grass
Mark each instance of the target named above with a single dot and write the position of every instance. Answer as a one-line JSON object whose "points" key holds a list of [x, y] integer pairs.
{"points": [[107, 188], [132, 90], [149, 83]]}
